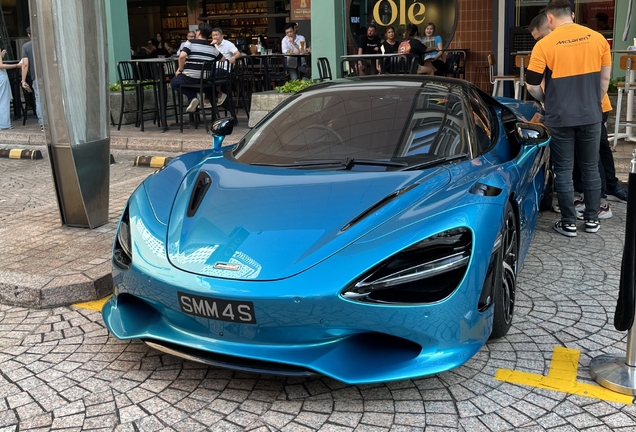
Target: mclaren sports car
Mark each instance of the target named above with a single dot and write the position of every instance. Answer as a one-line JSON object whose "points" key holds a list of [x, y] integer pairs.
{"points": [[367, 229]]}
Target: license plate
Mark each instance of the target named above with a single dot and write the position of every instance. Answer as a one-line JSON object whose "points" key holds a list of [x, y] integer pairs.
{"points": [[217, 309]]}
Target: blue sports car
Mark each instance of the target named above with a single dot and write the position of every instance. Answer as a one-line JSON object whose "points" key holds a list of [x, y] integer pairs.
{"points": [[368, 229]]}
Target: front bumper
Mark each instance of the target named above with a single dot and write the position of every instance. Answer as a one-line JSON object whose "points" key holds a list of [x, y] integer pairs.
{"points": [[303, 325]]}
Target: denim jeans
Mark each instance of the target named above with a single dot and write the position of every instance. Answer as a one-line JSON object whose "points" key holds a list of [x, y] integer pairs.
{"points": [[586, 140], [189, 92]]}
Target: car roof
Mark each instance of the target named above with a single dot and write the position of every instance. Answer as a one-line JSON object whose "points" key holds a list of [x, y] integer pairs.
{"points": [[394, 80]]}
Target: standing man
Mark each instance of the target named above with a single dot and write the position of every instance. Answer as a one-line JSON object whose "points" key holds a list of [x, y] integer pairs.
{"points": [[368, 44], [229, 51], [28, 68], [191, 59], [611, 186], [576, 63]]}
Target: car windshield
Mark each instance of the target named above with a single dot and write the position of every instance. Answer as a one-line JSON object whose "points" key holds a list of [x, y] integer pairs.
{"points": [[361, 127]]}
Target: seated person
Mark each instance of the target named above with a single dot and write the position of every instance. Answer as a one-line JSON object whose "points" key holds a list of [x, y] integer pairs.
{"points": [[369, 44], [389, 46], [149, 49], [189, 38], [229, 51], [434, 46], [191, 59], [414, 49], [293, 44], [163, 48]]}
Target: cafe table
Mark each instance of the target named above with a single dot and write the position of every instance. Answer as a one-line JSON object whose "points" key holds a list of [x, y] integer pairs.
{"points": [[162, 73], [629, 114]]}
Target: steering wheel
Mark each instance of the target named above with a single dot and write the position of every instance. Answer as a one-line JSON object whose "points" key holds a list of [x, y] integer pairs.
{"points": [[329, 130]]}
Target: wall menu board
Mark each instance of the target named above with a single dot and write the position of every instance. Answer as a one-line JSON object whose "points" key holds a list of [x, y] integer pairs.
{"points": [[300, 10]]}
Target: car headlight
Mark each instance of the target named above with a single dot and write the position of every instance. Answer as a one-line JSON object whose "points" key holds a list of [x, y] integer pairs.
{"points": [[426, 272], [122, 251]]}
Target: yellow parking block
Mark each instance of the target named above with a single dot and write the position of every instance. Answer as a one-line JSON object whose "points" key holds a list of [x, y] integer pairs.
{"points": [[96, 305]]}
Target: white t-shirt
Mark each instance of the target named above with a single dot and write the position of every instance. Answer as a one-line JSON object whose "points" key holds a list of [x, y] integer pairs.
{"points": [[286, 45], [228, 49]]}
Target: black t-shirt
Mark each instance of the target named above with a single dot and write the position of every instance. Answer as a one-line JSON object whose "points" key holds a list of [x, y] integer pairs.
{"points": [[368, 45], [417, 50], [390, 49]]}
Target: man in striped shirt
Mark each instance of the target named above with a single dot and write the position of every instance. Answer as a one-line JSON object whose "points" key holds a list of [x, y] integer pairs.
{"points": [[191, 59]]}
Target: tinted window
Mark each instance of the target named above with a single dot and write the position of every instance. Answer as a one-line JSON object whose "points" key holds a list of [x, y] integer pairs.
{"points": [[483, 123], [371, 122]]}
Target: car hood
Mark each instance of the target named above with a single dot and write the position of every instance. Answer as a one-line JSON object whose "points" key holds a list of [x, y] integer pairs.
{"points": [[260, 223]]}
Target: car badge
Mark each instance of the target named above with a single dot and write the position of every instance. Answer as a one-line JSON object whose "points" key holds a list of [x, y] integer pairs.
{"points": [[227, 266]]}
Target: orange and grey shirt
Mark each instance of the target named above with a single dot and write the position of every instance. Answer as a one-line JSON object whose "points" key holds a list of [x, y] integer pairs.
{"points": [[570, 58]]}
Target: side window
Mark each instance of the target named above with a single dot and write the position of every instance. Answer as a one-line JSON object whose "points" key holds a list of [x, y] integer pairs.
{"points": [[437, 127], [483, 123]]}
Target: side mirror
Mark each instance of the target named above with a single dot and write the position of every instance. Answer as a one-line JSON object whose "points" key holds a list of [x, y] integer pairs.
{"points": [[220, 129], [532, 134]]}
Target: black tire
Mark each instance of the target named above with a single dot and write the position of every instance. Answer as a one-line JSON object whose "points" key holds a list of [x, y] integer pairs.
{"points": [[506, 280], [546, 200]]}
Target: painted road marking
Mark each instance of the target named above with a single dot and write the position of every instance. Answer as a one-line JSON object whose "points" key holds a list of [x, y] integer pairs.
{"points": [[562, 378], [95, 305]]}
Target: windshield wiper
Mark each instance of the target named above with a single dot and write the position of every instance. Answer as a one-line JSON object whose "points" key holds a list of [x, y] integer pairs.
{"points": [[345, 164], [435, 162]]}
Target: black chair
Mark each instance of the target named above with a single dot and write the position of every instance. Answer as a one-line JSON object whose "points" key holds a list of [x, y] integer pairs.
{"points": [[170, 72], [226, 82], [453, 66], [150, 76], [399, 65], [211, 77], [244, 83], [130, 79], [275, 72], [324, 69]]}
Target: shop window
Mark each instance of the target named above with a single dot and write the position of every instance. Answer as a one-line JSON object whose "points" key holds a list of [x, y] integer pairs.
{"points": [[595, 14], [399, 13]]}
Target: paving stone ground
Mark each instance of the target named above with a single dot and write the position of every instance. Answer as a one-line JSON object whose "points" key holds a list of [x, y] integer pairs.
{"points": [[61, 370]]}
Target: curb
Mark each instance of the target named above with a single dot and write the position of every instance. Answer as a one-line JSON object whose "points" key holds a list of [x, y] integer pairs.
{"points": [[152, 161], [20, 154]]}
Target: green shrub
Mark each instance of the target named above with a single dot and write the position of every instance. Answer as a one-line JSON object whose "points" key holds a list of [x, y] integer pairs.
{"points": [[117, 87], [294, 86]]}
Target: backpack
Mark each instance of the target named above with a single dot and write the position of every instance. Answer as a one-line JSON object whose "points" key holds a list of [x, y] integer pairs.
{"points": [[404, 48]]}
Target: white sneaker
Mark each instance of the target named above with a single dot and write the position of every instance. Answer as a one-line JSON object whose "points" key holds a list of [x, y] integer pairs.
{"points": [[221, 99], [207, 105], [192, 107], [604, 212]]}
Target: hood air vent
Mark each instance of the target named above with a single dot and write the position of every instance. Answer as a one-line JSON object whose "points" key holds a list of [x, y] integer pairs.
{"points": [[201, 187], [384, 201]]}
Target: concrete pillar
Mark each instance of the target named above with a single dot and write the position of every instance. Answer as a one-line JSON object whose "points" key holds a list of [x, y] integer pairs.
{"points": [[118, 35], [328, 20]]}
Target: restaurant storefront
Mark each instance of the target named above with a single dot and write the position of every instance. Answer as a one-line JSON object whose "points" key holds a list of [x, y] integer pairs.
{"points": [[479, 27], [332, 27]]}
